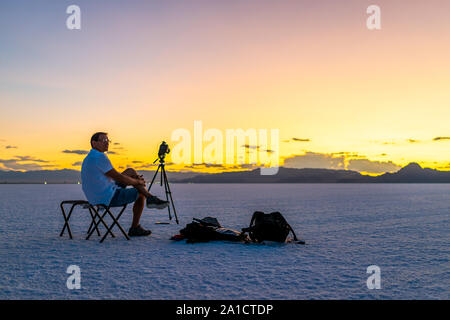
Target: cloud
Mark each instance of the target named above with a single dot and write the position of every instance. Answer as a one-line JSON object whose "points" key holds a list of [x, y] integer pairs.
{"points": [[11, 147], [117, 146], [398, 141], [213, 165], [147, 166], [80, 152], [384, 142], [441, 138], [247, 146], [75, 164], [366, 165], [315, 160], [206, 165], [347, 154], [340, 160], [221, 167], [447, 166], [112, 152], [247, 166], [297, 140], [28, 158], [200, 166], [24, 163], [152, 165]]}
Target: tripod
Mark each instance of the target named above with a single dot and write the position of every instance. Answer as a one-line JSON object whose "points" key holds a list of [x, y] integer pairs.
{"points": [[166, 186]]}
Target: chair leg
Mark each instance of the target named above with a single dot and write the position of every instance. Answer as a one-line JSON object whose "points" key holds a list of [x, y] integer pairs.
{"points": [[103, 217], [66, 220], [115, 222], [100, 219], [92, 223]]}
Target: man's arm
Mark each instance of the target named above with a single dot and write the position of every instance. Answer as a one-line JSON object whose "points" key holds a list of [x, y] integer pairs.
{"points": [[120, 178]]}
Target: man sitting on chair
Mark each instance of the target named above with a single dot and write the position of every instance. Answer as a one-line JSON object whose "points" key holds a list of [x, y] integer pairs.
{"points": [[102, 184]]}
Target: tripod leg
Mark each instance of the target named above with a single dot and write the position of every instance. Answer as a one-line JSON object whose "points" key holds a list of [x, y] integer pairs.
{"points": [[168, 192], [154, 176], [164, 177]]}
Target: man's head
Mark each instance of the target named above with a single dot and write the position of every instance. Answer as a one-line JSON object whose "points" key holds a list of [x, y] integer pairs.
{"points": [[100, 141]]}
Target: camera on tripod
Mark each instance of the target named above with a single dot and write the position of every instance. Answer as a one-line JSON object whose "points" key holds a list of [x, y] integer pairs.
{"points": [[163, 150]]}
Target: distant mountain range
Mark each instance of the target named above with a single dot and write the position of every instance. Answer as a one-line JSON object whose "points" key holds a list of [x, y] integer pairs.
{"points": [[412, 173]]}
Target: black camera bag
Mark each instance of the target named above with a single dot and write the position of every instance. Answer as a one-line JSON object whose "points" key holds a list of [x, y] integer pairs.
{"points": [[271, 227]]}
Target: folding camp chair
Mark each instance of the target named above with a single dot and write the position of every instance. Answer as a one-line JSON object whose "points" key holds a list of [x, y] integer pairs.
{"points": [[82, 203], [94, 212], [97, 209]]}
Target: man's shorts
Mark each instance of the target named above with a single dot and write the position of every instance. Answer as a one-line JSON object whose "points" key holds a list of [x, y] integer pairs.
{"points": [[124, 196]]}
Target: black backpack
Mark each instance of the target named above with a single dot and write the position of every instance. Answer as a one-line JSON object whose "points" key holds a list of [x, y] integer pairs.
{"points": [[209, 229], [271, 227]]}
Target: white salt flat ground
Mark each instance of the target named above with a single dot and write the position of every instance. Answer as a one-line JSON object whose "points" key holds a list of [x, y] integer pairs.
{"points": [[404, 229]]}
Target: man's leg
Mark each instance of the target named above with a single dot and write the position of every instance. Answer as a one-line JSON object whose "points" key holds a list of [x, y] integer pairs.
{"points": [[138, 208], [130, 172], [139, 204]]}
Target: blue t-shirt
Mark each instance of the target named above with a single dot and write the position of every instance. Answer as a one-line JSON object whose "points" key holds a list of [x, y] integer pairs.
{"points": [[97, 187]]}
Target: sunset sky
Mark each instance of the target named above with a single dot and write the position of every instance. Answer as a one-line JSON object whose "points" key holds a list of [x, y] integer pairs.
{"points": [[341, 95]]}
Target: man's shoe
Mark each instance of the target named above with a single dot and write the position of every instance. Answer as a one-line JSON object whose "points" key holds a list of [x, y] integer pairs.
{"points": [[138, 232], [156, 203]]}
